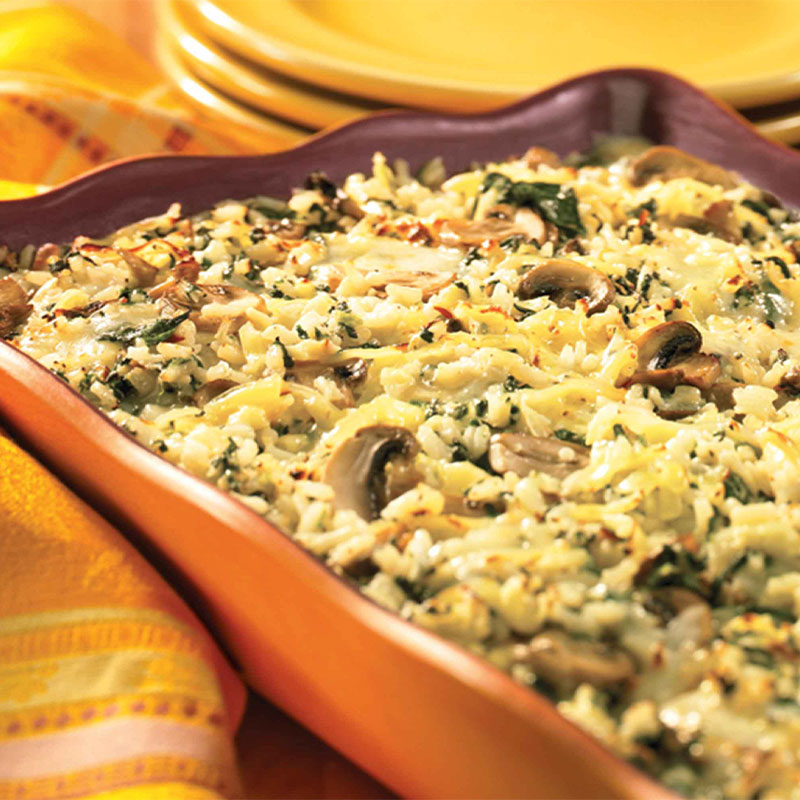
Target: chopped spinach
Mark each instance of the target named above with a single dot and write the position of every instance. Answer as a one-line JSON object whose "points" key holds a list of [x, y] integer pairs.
{"points": [[737, 488], [765, 296], [552, 201], [288, 361], [511, 384], [158, 331], [569, 436], [758, 207], [417, 592], [121, 386], [782, 265], [270, 207], [675, 566]]}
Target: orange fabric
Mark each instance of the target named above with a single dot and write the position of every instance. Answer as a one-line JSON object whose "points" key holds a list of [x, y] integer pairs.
{"points": [[73, 96], [106, 677]]}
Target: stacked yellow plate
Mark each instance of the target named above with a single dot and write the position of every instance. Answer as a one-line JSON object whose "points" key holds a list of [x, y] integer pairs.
{"points": [[300, 65]]}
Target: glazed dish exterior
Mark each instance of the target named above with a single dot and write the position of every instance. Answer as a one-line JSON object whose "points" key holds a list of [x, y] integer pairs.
{"points": [[539, 407]]}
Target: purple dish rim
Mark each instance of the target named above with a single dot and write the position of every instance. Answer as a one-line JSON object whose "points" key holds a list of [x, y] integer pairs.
{"points": [[566, 118]]}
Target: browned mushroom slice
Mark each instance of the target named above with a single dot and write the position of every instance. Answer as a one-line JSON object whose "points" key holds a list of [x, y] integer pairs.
{"points": [[721, 394], [41, 261], [566, 282], [701, 370], [566, 662], [535, 156], [371, 468], [675, 599], [790, 382], [718, 220], [788, 388], [187, 270], [668, 343], [675, 413], [523, 453], [476, 233], [429, 282], [348, 375], [14, 306], [143, 274], [345, 205], [207, 392], [665, 163], [669, 357]]}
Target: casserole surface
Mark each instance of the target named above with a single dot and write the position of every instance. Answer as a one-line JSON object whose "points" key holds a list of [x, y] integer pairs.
{"points": [[543, 409]]}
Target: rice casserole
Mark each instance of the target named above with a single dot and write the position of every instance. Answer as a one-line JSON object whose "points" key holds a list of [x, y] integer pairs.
{"points": [[547, 410]]}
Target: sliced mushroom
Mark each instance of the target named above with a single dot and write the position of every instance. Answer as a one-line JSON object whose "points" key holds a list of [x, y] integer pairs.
{"points": [[207, 392], [790, 382], [691, 619], [505, 223], [721, 394], [44, 254], [14, 306], [187, 270], [566, 663], [371, 468], [211, 304], [665, 163], [566, 282], [348, 375], [701, 370], [429, 282], [669, 356], [345, 205], [675, 599], [718, 220], [523, 454], [668, 343], [143, 274], [535, 156]]}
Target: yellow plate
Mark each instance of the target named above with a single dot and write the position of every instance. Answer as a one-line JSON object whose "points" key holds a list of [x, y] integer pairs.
{"points": [[477, 54], [784, 129], [266, 133], [254, 85]]}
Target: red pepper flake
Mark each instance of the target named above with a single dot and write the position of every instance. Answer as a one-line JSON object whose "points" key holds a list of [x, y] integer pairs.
{"points": [[493, 309]]}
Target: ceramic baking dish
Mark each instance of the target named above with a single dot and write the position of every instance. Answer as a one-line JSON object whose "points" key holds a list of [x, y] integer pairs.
{"points": [[420, 714]]}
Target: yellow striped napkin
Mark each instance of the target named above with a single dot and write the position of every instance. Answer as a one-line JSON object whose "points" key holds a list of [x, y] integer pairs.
{"points": [[107, 679]]}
